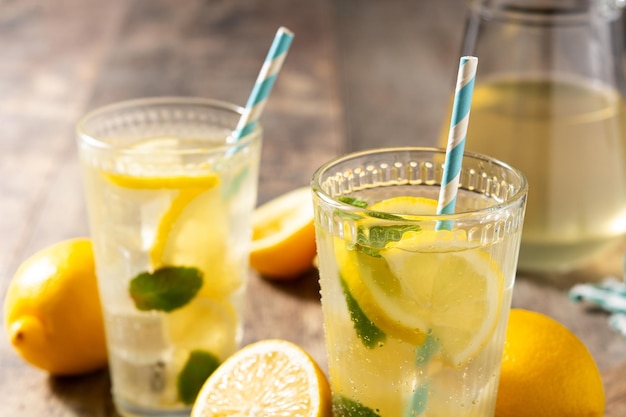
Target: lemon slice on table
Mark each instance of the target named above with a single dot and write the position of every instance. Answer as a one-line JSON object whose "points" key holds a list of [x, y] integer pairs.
{"points": [[267, 378], [426, 283]]}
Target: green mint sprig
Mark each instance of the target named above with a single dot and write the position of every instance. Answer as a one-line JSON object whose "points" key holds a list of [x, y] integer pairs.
{"points": [[366, 330], [199, 366], [370, 240], [165, 289], [346, 407]]}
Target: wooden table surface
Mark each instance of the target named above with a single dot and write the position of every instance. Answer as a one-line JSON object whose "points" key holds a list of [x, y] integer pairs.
{"points": [[360, 74]]}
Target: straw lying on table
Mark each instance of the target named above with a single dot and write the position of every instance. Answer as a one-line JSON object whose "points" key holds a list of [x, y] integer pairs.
{"points": [[456, 138], [264, 82], [609, 295]]}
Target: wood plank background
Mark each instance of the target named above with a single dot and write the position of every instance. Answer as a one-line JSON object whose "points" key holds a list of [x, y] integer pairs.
{"points": [[360, 74]]}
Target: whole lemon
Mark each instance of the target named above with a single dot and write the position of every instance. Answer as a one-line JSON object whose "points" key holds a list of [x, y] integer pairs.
{"points": [[547, 371], [52, 310]]}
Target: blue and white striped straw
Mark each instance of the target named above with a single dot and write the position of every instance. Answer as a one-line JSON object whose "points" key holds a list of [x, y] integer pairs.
{"points": [[264, 83], [445, 205], [456, 138]]}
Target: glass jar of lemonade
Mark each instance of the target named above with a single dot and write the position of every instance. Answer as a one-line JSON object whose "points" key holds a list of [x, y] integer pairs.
{"points": [[549, 99]]}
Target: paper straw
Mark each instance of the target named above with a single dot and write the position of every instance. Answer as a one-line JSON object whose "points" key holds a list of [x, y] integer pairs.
{"points": [[456, 138], [446, 204], [264, 83]]}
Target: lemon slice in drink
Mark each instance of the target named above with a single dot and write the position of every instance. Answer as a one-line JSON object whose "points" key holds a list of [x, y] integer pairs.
{"points": [[448, 289], [205, 323], [362, 275], [164, 152], [358, 268], [182, 182], [406, 205], [193, 232], [427, 283]]}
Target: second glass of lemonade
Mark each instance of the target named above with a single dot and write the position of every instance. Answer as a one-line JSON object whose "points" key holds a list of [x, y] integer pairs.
{"points": [[415, 304], [170, 196]]}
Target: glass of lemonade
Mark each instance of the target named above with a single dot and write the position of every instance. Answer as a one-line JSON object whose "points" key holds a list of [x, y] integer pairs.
{"points": [[170, 196], [415, 304]]}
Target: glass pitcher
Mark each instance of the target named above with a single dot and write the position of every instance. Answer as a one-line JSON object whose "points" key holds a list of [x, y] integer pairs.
{"points": [[549, 100]]}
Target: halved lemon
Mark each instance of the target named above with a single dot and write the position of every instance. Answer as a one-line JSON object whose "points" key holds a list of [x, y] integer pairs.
{"points": [[268, 378], [283, 236]]}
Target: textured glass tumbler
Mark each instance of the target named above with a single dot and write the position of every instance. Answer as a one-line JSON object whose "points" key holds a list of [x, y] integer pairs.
{"points": [[415, 313], [170, 197]]}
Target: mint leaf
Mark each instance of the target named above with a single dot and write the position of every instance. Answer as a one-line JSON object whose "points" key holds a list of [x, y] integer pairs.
{"points": [[353, 201], [371, 240], [384, 216], [200, 365], [345, 407], [165, 289], [366, 330]]}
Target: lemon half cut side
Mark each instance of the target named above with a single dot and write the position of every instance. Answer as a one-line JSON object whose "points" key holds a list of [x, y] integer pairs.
{"points": [[283, 237], [267, 378]]}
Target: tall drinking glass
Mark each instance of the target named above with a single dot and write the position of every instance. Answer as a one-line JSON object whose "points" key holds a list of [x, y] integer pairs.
{"points": [[170, 197], [415, 304]]}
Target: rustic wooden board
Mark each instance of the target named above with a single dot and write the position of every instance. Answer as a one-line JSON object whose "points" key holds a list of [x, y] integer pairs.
{"points": [[360, 74]]}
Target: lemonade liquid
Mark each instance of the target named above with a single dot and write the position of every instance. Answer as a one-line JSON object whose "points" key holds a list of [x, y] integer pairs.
{"points": [[569, 139], [376, 372], [151, 207]]}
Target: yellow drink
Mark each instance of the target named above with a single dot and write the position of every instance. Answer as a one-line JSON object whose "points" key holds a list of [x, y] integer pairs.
{"points": [[414, 316], [170, 222], [569, 139]]}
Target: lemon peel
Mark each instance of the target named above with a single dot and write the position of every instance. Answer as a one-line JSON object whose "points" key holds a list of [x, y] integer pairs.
{"points": [[40, 310]]}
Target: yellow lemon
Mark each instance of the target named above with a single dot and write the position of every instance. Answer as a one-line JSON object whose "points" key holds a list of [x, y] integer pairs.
{"points": [[268, 378], [283, 236], [547, 371], [53, 313]]}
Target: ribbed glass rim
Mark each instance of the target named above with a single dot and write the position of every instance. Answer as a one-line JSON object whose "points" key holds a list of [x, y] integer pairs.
{"points": [[127, 105], [513, 200]]}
